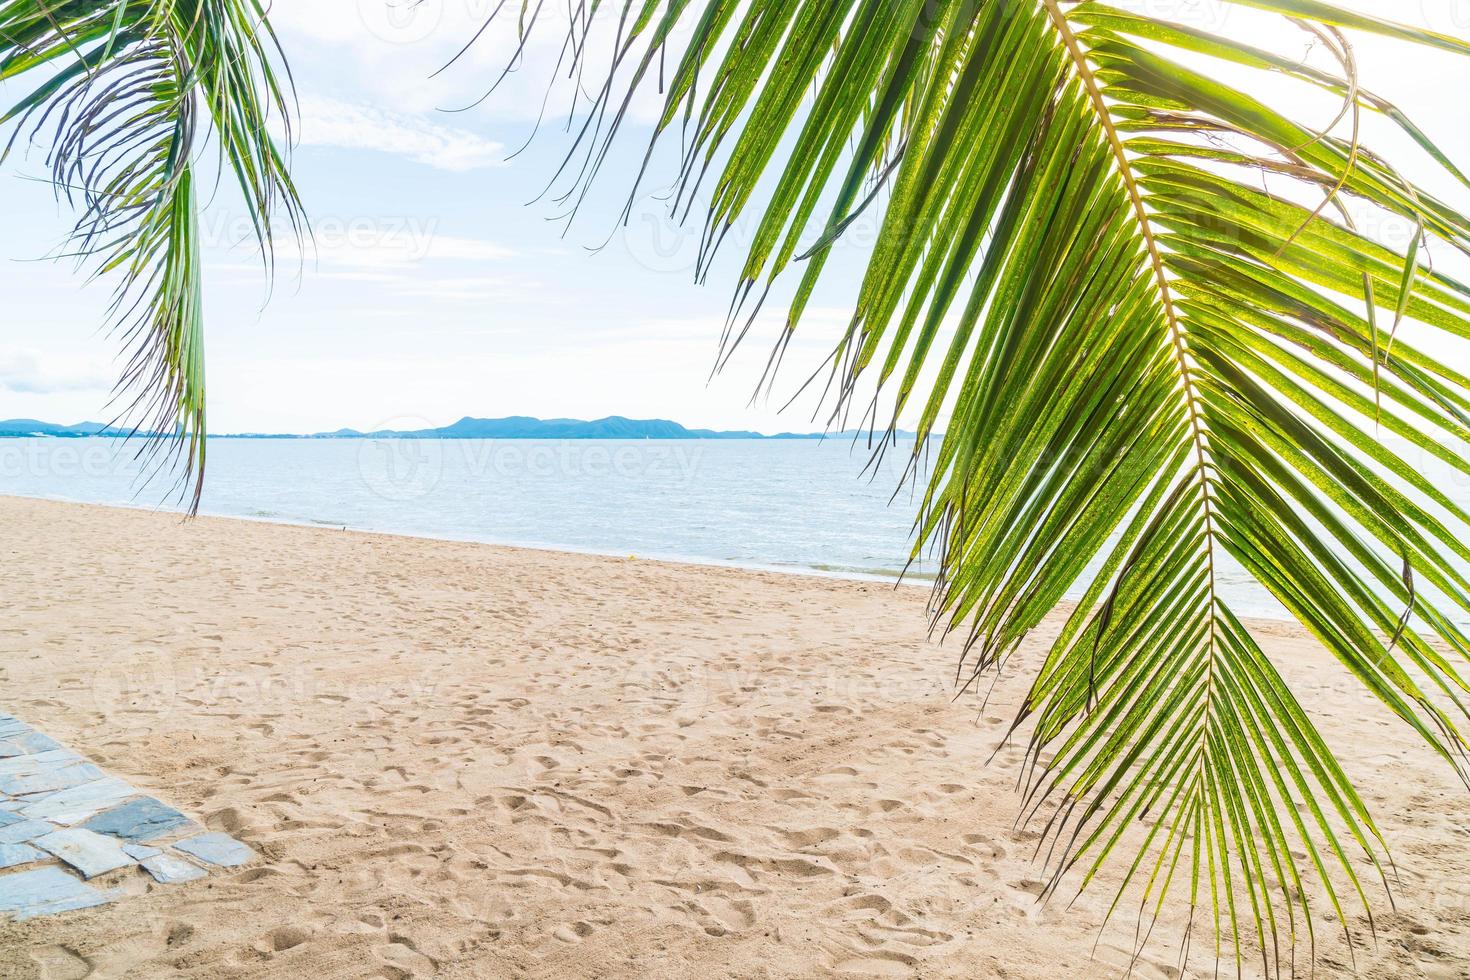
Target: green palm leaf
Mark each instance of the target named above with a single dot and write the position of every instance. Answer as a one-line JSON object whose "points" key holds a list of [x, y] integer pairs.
{"points": [[1162, 344], [127, 93]]}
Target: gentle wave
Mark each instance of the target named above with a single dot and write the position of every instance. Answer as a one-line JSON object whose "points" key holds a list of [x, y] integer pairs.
{"points": [[817, 507]]}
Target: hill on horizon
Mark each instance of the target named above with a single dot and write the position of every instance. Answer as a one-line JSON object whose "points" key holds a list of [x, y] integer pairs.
{"points": [[22, 428], [512, 427]]}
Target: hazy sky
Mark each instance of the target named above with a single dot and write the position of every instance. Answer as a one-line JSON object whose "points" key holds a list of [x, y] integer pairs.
{"points": [[436, 290]]}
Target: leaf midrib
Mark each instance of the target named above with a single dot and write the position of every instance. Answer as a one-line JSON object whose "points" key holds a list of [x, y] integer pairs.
{"points": [[1080, 63]]}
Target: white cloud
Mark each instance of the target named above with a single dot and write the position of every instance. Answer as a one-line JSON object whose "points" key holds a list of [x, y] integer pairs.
{"points": [[331, 122], [30, 372], [458, 288], [466, 249], [374, 249], [393, 251], [391, 50]]}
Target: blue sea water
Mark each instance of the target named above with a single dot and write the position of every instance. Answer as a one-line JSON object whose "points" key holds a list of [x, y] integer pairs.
{"points": [[802, 506], [796, 505]]}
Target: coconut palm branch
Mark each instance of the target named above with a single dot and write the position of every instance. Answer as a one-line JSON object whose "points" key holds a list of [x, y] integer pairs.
{"points": [[126, 95], [1164, 342]]}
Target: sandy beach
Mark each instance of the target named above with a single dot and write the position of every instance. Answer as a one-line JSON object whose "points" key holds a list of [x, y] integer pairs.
{"points": [[459, 760]]}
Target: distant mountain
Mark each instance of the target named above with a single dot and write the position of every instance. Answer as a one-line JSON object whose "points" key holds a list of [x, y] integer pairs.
{"points": [[522, 427], [20, 428], [515, 427], [613, 427]]}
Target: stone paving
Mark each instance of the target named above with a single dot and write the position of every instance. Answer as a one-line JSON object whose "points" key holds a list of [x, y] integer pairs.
{"points": [[65, 822]]}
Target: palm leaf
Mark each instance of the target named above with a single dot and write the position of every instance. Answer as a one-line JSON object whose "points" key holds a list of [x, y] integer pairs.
{"points": [[1163, 345], [127, 94]]}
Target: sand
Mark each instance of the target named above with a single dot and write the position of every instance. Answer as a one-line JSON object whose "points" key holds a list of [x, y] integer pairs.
{"points": [[460, 760]]}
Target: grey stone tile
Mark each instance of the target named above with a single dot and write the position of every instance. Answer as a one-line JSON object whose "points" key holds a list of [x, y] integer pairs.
{"points": [[71, 806], [24, 765], [170, 870], [33, 743], [46, 891], [91, 854], [220, 849], [19, 833], [12, 855], [55, 802], [50, 781], [141, 819]]}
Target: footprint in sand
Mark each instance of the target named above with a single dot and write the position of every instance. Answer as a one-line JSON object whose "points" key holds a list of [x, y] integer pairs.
{"points": [[60, 963], [809, 836], [282, 939], [401, 961], [573, 932], [985, 845], [179, 933], [877, 964], [722, 916]]}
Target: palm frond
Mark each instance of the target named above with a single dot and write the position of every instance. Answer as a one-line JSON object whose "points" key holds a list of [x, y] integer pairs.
{"points": [[126, 94], [1163, 344]]}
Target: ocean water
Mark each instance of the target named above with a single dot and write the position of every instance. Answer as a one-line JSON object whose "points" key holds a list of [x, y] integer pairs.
{"points": [[801, 506]]}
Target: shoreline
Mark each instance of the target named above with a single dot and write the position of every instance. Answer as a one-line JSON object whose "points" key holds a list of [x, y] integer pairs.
{"points": [[889, 578], [801, 571], [1269, 624]]}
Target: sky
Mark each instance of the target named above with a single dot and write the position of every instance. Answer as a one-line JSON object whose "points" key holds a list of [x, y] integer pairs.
{"points": [[441, 283]]}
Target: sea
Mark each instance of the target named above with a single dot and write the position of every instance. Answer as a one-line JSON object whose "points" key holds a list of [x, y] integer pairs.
{"points": [[806, 505], [825, 507]]}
